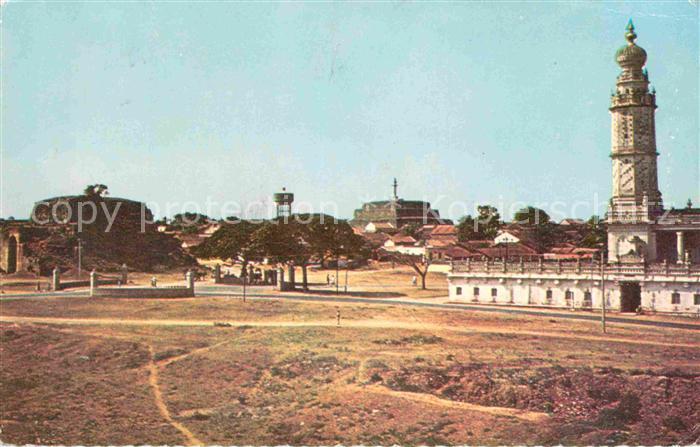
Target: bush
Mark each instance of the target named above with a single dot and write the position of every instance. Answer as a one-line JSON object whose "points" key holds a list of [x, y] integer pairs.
{"points": [[624, 413], [674, 423]]}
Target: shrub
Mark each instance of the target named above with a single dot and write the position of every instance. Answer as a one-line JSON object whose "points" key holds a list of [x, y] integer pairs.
{"points": [[674, 423], [624, 413]]}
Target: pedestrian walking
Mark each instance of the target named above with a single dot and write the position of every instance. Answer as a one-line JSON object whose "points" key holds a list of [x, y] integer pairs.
{"points": [[337, 316], [414, 281]]}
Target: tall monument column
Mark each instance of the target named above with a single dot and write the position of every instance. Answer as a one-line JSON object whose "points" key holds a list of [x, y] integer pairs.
{"points": [[636, 200]]}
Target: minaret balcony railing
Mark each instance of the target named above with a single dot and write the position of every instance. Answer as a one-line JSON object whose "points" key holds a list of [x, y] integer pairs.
{"points": [[632, 99]]}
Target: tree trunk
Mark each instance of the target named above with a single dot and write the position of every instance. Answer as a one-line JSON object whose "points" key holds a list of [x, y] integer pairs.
{"points": [[304, 278], [422, 280], [244, 266], [292, 276]]}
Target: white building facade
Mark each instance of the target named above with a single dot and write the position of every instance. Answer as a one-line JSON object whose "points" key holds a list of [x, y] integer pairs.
{"points": [[664, 287]]}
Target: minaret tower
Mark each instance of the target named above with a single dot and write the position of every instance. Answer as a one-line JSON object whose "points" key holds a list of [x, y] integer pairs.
{"points": [[636, 200]]}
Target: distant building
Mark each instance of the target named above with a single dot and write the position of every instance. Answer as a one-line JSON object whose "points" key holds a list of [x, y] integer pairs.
{"points": [[572, 222], [404, 244], [380, 227], [397, 212]]}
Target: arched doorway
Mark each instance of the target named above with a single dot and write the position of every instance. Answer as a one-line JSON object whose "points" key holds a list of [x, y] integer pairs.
{"points": [[631, 296], [12, 255]]}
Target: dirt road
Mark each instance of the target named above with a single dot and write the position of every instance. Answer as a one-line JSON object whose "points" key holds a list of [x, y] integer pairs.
{"points": [[374, 323]]}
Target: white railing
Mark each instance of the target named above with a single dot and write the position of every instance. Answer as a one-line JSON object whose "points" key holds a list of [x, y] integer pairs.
{"points": [[573, 267]]}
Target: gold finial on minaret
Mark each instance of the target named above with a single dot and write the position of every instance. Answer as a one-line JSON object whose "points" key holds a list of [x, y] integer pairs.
{"points": [[630, 34]]}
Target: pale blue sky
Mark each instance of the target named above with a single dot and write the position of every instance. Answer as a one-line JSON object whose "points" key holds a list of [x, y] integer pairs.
{"points": [[489, 102]]}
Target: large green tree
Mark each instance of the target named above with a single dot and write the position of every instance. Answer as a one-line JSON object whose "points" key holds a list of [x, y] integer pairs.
{"points": [[531, 216], [412, 229], [484, 226], [544, 233], [596, 233], [280, 242], [96, 190], [305, 238], [420, 264], [232, 241]]}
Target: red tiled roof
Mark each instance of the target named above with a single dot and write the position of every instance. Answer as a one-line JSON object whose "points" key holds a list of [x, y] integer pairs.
{"points": [[402, 239], [441, 242], [458, 252], [376, 238], [383, 225], [518, 249], [476, 244], [443, 230]]}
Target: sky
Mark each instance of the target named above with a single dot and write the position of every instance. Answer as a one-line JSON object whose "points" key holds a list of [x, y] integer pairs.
{"points": [[213, 106]]}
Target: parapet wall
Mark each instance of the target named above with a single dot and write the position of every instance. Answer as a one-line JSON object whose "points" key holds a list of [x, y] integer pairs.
{"points": [[72, 284]]}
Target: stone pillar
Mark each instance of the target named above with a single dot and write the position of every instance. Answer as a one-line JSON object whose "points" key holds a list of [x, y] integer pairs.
{"points": [[125, 274], [93, 282], [189, 279], [680, 247], [56, 280], [280, 278], [217, 274]]}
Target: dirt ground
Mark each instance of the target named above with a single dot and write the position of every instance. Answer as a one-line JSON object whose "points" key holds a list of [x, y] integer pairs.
{"points": [[216, 370], [380, 280]]}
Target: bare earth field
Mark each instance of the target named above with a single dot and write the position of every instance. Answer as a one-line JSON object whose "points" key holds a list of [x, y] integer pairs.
{"points": [[219, 371]]}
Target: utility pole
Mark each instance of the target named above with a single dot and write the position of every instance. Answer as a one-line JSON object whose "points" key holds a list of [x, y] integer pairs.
{"points": [[602, 288], [244, 281], [80, 253], [346, 277]]}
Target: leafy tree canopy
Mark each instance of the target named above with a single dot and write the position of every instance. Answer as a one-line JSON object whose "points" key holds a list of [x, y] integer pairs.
{"points": [[531, 216], [97, 190], [596, 233], [230, 241], [484, 226], [412, 230], [189, 218]]}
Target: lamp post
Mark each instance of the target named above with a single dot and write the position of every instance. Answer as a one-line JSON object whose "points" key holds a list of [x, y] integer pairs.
{"points": [[244, 281], [602, 289], [80, 256]]}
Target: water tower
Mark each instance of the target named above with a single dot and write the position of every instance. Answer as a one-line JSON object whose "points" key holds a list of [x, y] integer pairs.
{"points": [[283, 200]]}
